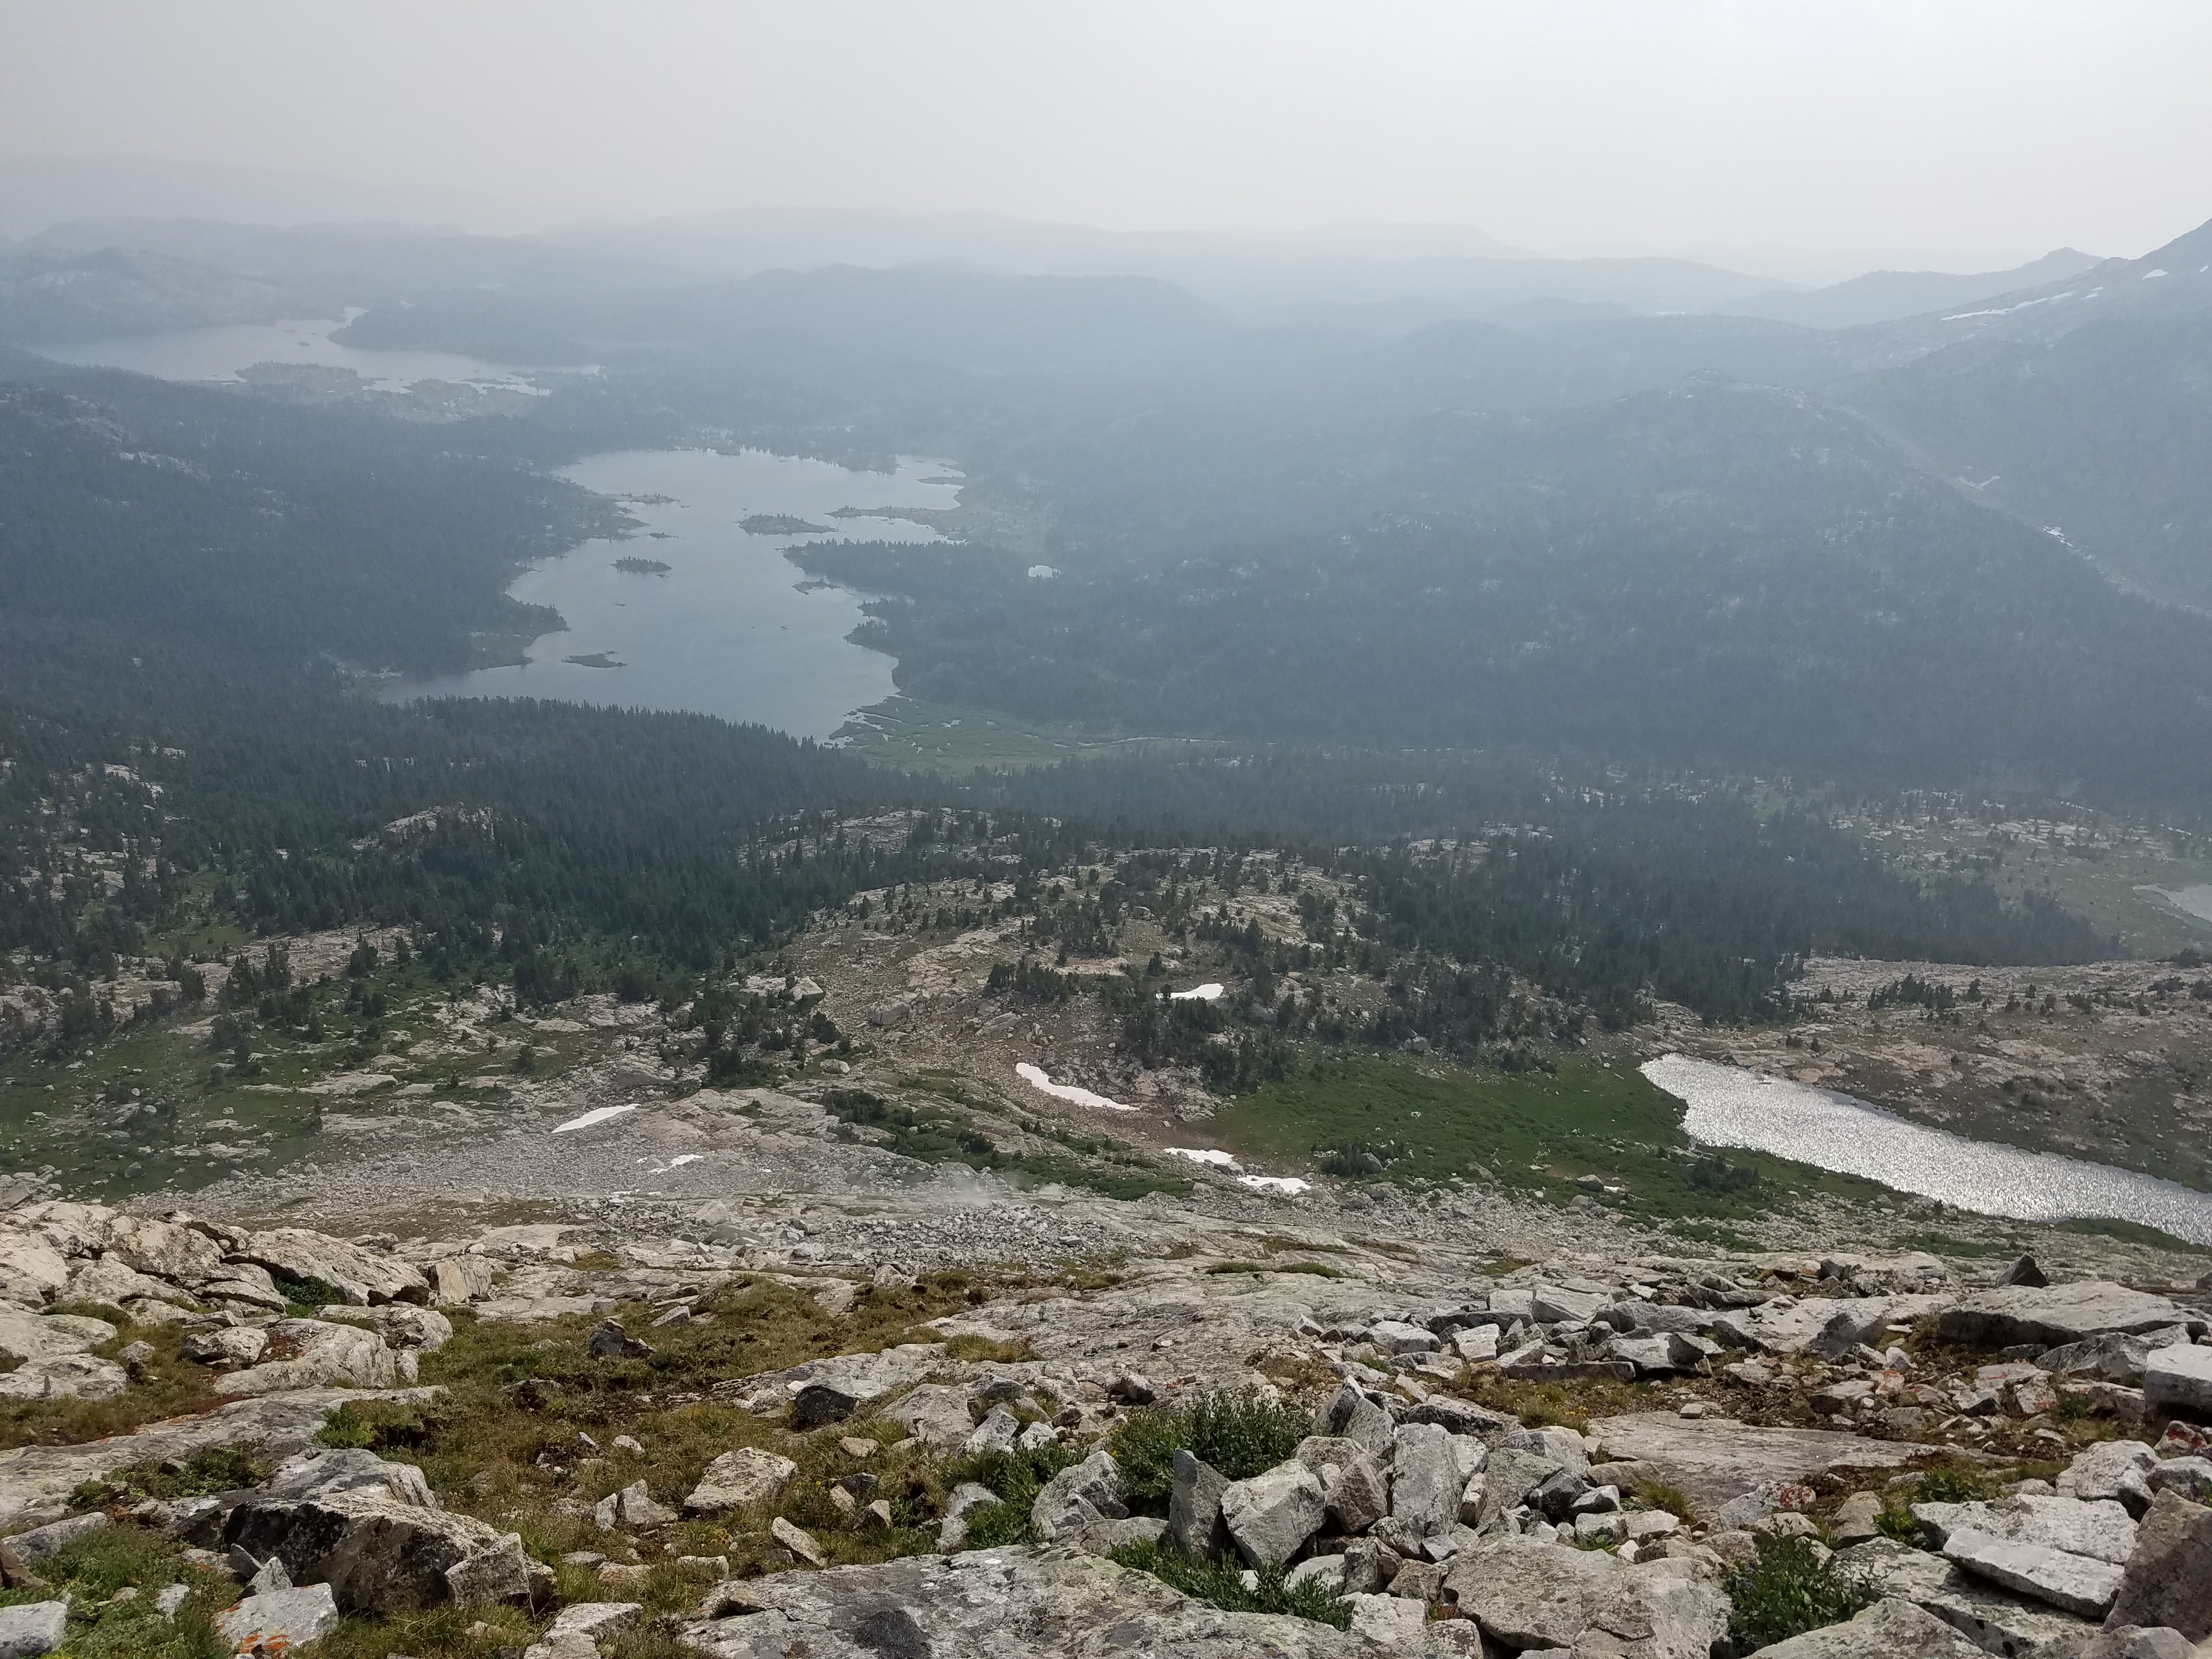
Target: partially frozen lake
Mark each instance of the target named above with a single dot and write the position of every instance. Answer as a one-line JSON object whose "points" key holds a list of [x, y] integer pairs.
{"points": [[2196, 901], [218, 353], [1730, 1106]]}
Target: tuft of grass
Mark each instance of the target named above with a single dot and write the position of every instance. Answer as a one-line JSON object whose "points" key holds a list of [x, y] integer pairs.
{"points": [[1788, 1590], [1658, 1495], [1950, 1485], [1221, 1583], [211, 1469], [1895, 1523], [1016, 1477], [377, 1425], [1240, 1435], [306, 1298]]}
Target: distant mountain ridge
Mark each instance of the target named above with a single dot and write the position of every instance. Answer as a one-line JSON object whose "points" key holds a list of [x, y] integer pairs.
{"points": [[1882, 296], [47, 296]]}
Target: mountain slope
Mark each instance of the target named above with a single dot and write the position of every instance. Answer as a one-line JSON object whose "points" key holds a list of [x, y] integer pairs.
{"points": [[1720, 573], [48, 295], [1881, 296]]}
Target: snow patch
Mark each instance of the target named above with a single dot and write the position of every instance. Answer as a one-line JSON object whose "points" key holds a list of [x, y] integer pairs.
{"points": [[597, 1115], [1036, 1076], [1288, 1186], [2148, 275], [1219, 1159], [1208, 991]]}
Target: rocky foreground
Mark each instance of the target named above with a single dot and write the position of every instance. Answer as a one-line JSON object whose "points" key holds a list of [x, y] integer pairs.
{"points": [[538, 1439]]}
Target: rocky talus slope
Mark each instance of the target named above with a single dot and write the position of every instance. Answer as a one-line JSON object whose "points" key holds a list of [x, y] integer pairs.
{"points": [[565, 1442]]}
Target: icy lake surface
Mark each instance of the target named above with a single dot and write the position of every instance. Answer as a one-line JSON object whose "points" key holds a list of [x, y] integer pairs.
{"points": [[732, 627], [1730, 1106], [2197, 900], [218, 353]]}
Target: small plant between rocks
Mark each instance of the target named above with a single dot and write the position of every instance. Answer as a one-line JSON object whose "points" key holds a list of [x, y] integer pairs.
{"points": [[1792, 1587], [1233, 1589], [1240, 1435]]}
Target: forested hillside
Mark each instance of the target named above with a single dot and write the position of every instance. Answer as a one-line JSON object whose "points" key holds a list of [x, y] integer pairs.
{"points": [[204, 515]]}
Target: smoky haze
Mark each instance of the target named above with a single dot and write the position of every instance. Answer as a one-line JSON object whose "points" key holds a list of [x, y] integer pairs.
{"points": [[1804, 143]]}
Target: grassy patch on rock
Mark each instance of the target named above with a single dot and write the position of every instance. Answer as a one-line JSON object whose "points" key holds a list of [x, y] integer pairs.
{"points": [[110, 1578], [1240, 1435], [1222, 1584], [165, 1385], [1530, 1132]]}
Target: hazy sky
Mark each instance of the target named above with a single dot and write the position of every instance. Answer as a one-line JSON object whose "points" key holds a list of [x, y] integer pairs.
{"points": [[1970, 131]]}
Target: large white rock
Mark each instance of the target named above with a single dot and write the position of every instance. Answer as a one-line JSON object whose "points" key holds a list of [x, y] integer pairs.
{"points": [[362, 1276], [456, 1281], [1526, 1593], [1018, 1603], [1550, 1304], [276, 1622], [2116, 1469], [1396, 1336], [1078, 1495], [1888, 1630], [30, 1336], [108, 1278], [739, 1480], [1997, 1619], [31, 1628], [1271, 1515], [1353, 1489], [309, 1353], [1714, 1459], [371, 1531], [2168, 1579], [169, 1250], [2055, 1314], [64, 1377], [2103, 1530], [2080, 1584], [35, 1481], [2178, 1378], [936, 1413], [31, 1271], [1477, 1345], [1425, 1483]]}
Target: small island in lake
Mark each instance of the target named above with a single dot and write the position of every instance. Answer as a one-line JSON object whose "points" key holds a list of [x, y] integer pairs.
{"points": [[779, 523], [596, 659], [637, 567]]}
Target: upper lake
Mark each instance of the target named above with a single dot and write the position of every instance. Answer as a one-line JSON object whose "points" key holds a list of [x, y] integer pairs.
{"points": [[218, 353], [732, 627], [1730, 1106]]}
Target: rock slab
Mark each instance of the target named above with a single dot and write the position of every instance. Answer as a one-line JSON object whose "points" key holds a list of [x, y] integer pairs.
{"points": [[2168, 1578]]}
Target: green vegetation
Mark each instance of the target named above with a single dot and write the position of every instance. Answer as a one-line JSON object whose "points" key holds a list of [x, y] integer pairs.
{"points": [[110, 1578], [211, 1469], [1221, 1583], [1528, 1131], [1790, 1589], [1240, 1435], [1016, 1477], [921, 735], [1107, 1167], [1318, 1269]]}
